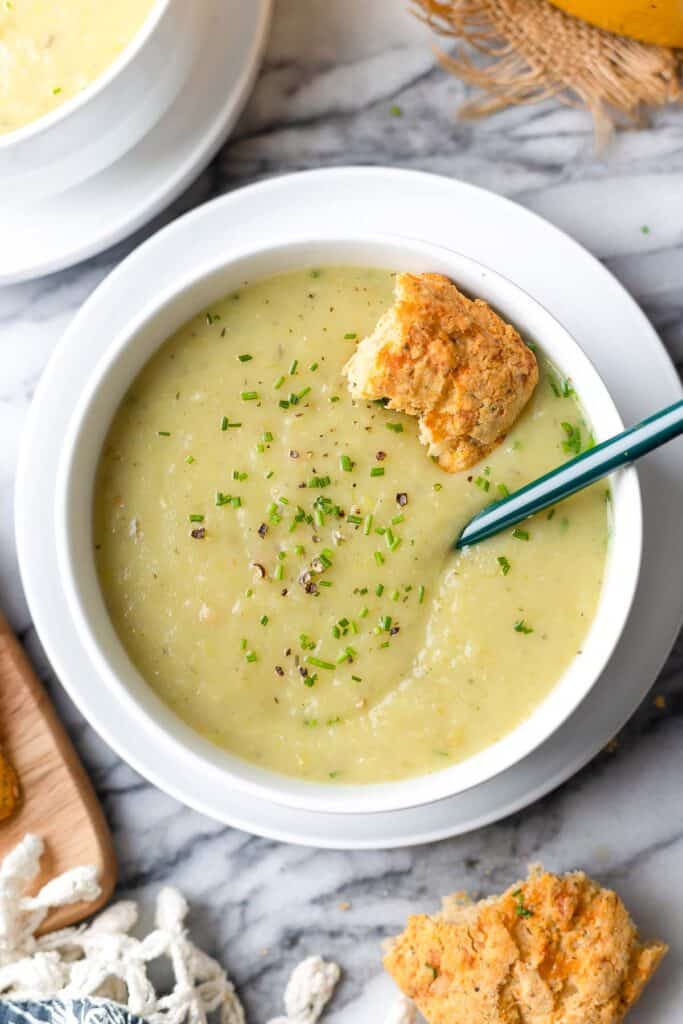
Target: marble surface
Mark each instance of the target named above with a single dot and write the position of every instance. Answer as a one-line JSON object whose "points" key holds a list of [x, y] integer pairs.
{"points": [[331, 75]]}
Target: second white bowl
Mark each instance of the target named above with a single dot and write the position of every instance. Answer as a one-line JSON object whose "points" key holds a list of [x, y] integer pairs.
{"points": [[96, 127]]}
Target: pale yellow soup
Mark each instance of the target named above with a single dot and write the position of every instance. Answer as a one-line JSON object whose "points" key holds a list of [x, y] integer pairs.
{"points": [[50, 50], [281, 570]]}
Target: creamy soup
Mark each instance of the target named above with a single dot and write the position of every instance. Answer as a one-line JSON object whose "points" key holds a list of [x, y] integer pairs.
{"points": [[278, 561], [52, 49]]}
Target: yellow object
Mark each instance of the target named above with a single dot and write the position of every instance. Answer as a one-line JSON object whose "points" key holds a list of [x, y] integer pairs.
{"points": [[653, 21]]}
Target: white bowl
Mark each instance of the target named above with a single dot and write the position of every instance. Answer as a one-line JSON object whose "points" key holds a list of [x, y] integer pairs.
{"points": [[93, 129], [127, 354]]}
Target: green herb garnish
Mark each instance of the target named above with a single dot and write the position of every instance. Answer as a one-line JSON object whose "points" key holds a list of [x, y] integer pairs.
{"points": [[504, 565], [319, 663], [520, 909]]}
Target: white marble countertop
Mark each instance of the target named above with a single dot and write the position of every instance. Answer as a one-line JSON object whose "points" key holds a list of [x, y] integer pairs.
{"points": [[331, 74]]}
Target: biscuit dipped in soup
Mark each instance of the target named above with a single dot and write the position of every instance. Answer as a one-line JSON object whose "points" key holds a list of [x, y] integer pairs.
{"points": [[276, 555], [50, 51]]}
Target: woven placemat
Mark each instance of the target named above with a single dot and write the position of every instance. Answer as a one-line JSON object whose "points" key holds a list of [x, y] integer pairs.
{"points": [[529, 50]]}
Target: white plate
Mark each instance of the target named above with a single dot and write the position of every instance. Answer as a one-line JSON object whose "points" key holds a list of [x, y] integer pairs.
{"points": [[558, 272], [46, 236]]}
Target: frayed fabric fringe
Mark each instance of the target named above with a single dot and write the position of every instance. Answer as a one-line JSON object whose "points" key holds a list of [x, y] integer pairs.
{"points": [[530, 51]]}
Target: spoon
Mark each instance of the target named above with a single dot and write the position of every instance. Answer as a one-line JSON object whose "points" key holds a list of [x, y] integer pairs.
{"points": [[574, 475]]}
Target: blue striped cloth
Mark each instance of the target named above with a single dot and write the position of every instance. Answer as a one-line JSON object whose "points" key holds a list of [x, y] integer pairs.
{"points": [[65, 1011]]}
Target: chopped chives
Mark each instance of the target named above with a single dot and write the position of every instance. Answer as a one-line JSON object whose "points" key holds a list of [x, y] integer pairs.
{"points": [[250, 656], [236, 501], [283, 403], [389, 538], [212, 317], [302, 394], [278, 383], [395, 595], [164, 433], [245, 358], [520, 534], [324, 583], [189, 459], [279, 571], [319, 663], [243, 644], [379, 589], [293, 366], [350, 336], [420, 594], [379, 558], [377, 471], [395, 544], [502, 489], [437, 486], [195, 517], [223, 499], [521, 627], [396, 427], [363, 612], [482, 483], [248, 396], [239, 475], [267, 436], [313, 367], [397, 519], [356, 520], [346, 463], [224, 423], [504, 565], [264, 620]]}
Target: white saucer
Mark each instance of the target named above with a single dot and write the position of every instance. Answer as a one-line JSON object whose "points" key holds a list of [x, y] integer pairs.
{"points": [[58, 232], [557, 271]]}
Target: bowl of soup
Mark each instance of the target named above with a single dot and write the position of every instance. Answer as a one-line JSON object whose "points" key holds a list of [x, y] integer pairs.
{"points": [[262, 568], [82, 81]]}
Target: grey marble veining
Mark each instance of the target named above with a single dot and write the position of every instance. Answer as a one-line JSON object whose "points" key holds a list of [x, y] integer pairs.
{"points": [[331, 75]]}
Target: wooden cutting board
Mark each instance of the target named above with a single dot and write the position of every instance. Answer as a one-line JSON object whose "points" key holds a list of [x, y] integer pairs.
{"points": [[58, 802]]}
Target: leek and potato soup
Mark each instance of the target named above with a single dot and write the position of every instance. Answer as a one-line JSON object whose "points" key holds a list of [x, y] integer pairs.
{"points": [[51, 51], [277, 560]]}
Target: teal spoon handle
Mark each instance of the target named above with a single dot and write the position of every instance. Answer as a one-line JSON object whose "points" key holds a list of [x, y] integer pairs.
{"points": [[573, 476]]}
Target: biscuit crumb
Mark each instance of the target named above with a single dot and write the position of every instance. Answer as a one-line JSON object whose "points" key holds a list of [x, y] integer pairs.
{"points": [[344, 906]]}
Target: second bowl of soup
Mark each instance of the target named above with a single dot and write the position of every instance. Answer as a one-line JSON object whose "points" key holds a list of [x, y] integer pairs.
{"points": [[81, 82], [264, 566]]}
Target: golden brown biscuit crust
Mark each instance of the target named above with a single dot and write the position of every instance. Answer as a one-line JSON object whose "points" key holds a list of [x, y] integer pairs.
{"points": [[9, 789], [449, 360], [551, 950]]}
